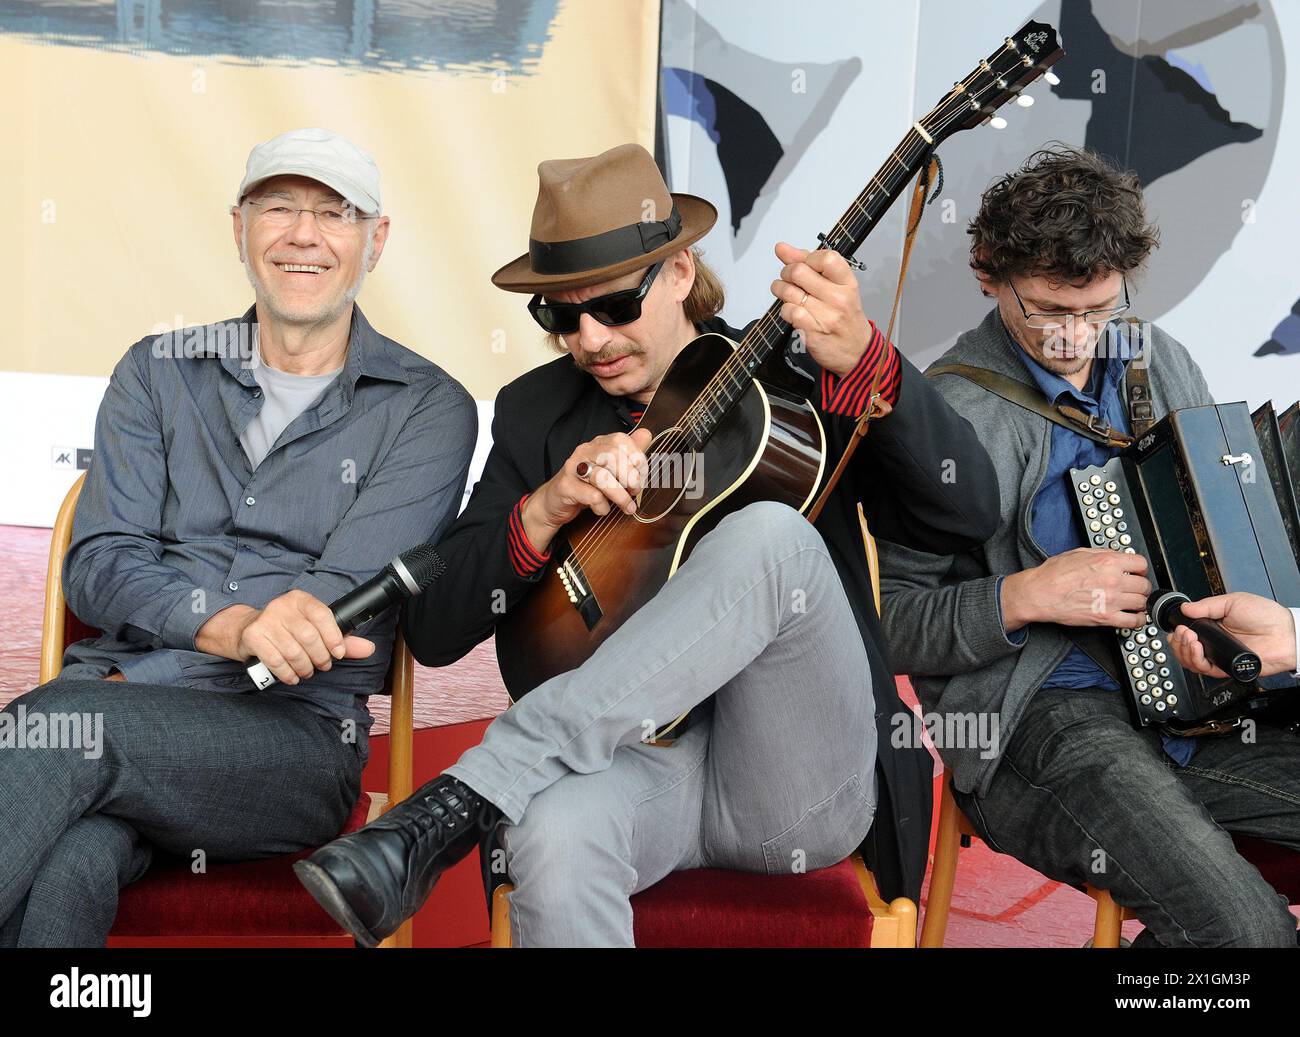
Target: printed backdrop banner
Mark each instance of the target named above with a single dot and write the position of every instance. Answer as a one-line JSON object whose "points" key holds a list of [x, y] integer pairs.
{"points": [[128, 123], [780, 112]]}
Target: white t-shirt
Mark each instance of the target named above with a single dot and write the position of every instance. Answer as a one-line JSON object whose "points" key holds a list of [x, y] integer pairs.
{"points": [[284, 397]]}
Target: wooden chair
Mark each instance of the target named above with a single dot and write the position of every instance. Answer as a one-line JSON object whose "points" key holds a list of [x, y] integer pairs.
{"points": [[243, 904], [839, 906], [1279, 866]]}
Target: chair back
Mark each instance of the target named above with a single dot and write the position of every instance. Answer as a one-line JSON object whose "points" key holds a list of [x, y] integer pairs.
{"points": [[873, 559], [59, 627]]}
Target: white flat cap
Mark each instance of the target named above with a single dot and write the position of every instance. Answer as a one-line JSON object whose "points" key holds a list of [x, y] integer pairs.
{"points": [[321, 155]]}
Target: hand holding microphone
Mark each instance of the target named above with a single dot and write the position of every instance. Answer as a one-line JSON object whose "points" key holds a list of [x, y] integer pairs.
{"points": [[1205, 645], [403, 577]]}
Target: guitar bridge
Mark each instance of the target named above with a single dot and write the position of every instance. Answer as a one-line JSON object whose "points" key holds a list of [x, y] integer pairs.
{"points": [[569, 571]]}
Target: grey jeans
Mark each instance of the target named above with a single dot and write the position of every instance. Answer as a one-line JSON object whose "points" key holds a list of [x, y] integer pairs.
{"points": [[1084, 797], [777, 777], [181, 770]]}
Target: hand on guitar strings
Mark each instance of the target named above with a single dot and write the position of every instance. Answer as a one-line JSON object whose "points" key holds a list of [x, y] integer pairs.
{"points": [[605, 473], [820, 296]]}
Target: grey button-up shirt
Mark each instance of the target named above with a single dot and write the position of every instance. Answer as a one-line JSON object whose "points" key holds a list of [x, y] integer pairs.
{"points": [[174, 524]]}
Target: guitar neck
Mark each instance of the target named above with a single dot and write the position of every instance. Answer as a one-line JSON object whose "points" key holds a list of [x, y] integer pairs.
{"points": [[996, 80], [845, 237]]}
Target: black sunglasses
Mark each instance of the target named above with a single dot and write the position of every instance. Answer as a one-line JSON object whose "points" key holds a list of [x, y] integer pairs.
{"points": [[562, 318]]}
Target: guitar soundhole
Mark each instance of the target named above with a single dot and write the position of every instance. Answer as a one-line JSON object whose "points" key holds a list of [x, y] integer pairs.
{"points": [[673, 472]]}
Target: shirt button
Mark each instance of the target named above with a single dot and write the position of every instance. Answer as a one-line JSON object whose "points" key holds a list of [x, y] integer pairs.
{"points": [[250, 501], [257, 394], [233, 585]]}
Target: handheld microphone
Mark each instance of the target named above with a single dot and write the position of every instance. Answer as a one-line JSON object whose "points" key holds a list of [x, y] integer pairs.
{"points": [[1221, 648], [404, 577]]}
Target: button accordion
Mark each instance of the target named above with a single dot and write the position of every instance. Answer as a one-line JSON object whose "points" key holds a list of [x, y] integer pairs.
{"points": [[1207, 497]]}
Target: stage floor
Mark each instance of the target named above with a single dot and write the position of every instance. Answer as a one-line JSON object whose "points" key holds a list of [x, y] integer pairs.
{"points": [[997, 901]]}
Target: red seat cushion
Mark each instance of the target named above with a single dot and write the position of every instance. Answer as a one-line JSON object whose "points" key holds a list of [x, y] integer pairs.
{"points": [[715, 908], [1279, 865], [247, 898]]}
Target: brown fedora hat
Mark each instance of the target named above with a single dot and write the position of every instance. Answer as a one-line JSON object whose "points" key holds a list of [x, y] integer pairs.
{"points": [[601, 217]]}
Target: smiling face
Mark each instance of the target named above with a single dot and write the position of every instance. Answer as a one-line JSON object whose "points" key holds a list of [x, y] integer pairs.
{"points": [[630, 360], [308, 270], [1066, 351]]}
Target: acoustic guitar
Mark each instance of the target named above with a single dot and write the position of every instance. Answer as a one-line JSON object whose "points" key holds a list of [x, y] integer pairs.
{"points": [[731, 420]]}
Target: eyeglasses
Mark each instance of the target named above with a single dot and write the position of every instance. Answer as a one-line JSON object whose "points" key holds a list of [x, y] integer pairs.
{"points": [[1056, 321], [331, 219], [612, 310]]}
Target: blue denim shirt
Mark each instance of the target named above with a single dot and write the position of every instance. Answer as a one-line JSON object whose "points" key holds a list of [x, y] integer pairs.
{"points": [[1053, 515], [174, 524]]}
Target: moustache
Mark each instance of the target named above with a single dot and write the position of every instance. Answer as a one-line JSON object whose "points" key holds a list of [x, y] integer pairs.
{"points": [[609, 357]]}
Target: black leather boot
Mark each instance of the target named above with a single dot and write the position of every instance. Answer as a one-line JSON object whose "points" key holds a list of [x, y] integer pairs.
{"points": [[371, 881]]}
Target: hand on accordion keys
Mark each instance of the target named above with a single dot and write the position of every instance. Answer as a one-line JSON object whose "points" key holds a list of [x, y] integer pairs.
{"points": [[1261, 625]]}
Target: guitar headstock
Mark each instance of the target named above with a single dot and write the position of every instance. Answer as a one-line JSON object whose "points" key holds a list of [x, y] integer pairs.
{"points": [[1021, 60]]}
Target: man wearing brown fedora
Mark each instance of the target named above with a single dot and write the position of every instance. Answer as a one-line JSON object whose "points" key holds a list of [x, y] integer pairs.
{"points": [[767, 634]]}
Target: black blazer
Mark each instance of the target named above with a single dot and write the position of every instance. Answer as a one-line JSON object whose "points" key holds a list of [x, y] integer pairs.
{"points": [[903, 474]]}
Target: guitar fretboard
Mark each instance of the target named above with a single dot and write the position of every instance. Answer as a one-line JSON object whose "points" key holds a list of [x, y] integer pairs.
{"points": [[845, 237]]}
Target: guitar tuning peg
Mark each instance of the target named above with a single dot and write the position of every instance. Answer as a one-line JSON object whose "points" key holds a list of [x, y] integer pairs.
{"points": [[998, 123], [1052, 78], [1025, 101]]}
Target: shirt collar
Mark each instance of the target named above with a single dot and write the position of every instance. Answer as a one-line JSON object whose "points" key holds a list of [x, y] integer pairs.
{"points": [[368, 353]]}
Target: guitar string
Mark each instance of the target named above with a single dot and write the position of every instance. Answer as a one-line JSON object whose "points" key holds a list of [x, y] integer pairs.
{"points": [[600, 531], [728, 370]]}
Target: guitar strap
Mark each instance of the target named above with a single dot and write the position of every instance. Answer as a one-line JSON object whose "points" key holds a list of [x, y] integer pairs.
{"points": [[876, 407]]}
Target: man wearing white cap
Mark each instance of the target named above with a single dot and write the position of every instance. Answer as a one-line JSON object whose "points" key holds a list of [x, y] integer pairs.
{"points": [[245, 474]]}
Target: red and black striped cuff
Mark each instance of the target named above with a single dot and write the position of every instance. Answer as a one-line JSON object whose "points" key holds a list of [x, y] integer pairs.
{"points": [[847, 396], [523, 556]]}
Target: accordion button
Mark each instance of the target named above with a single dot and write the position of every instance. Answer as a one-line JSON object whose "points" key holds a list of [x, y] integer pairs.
{"points": [[1091, 513], [1095, 526], [1136, 671], [1157, 644], [1119, 513], [1095, 480], [1172, 700], [1084, 487], [1107, 520], [1162, 658], [1125, 539], [1160, 707], [1098, 539], [1130, 551], [1121, 526], [1133, 660], [1141, 685], [1141, 637], [1146, 700], [1111, 487], [1113, 498], [1110, 532]]}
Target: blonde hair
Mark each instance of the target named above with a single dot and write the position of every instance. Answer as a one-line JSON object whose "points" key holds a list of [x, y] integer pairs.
{"points": [[704, 300]]}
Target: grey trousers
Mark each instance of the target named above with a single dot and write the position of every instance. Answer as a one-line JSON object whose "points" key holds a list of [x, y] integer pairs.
{"points": [[1083, 796], [780, 778], [181, 770]]}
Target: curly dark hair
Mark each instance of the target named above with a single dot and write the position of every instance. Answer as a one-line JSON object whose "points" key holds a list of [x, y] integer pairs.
{"points": [[1068, 213]]}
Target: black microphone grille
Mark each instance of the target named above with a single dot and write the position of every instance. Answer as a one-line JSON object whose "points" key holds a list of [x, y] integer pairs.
{"points": [[424, 564]]}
